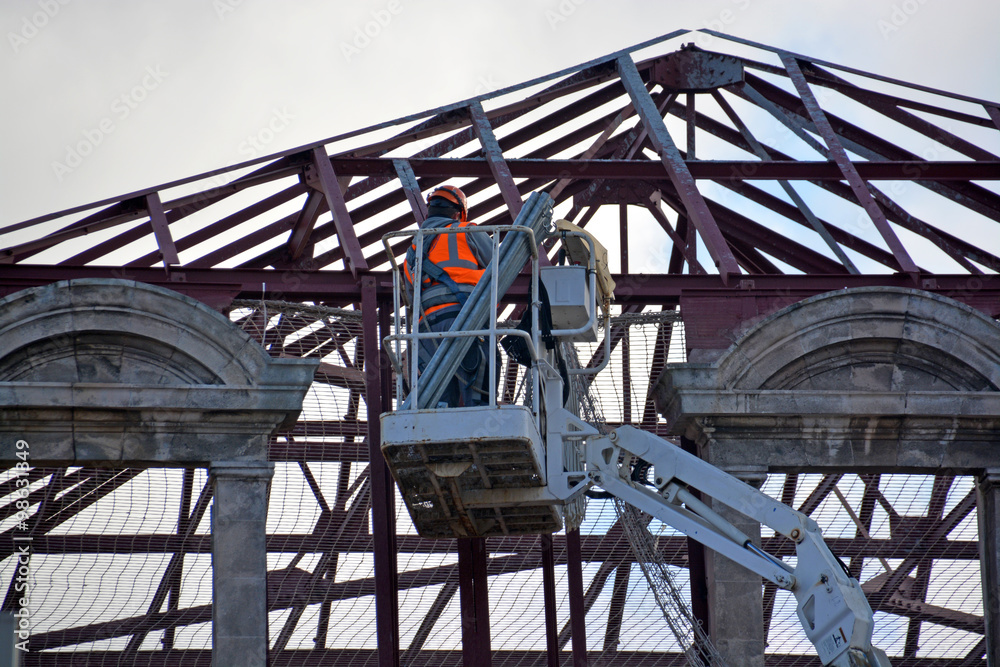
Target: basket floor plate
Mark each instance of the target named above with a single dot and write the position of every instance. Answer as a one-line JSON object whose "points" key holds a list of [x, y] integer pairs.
{"points": [[470, 472]]}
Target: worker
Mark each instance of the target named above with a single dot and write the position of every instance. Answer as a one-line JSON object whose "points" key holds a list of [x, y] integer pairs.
{"points": [[451, 267]]}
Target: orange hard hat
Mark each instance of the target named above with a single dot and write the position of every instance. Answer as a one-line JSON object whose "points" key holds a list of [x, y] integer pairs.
{"points": [[453, 195]]}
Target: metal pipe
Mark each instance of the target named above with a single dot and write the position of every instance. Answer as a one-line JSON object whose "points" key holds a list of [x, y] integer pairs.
{"points": [[397, 321], [536, 309], [707, 513], [494, 299], [607, 353], [414, 349]]}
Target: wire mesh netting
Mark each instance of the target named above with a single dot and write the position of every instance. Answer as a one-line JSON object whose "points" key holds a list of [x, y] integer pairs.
{"points": [[120, 560]]}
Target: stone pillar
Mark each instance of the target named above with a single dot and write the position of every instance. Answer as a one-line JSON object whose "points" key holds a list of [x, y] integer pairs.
{"points": [[735, 595], [239, 563], [988, 511]]}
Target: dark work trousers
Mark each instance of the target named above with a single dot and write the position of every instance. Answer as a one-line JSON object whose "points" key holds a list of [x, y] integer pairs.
{"points": [[469, 386]]}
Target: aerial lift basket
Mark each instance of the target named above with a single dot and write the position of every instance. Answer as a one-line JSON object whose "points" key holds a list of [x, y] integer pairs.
{"points": [[478, 471], [471, 472]]}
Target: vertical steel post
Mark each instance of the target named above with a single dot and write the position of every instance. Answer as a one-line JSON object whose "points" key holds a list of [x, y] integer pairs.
{"points": [[183, 522], [481, 582], [626, 353], [692, 124], [577, 611], [383, 491], [549, 593], [616, 614], [988, 517], [466, 602], [626, 376], [473, 597], [623, 234]]}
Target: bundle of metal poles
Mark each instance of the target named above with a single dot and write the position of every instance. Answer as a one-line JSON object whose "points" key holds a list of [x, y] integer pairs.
{"points": [[515, 250]]}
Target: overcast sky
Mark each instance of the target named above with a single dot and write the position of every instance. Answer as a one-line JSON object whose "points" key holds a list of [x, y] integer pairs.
{"points": [[164, 90]]}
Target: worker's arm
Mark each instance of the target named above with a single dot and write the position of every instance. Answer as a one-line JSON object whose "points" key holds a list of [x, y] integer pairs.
{"points": [[482, 247]]}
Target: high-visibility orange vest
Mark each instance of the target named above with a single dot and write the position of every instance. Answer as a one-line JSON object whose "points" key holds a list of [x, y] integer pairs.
{"points": [[451, 254]]}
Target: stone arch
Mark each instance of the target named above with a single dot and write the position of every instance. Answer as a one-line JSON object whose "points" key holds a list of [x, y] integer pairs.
{"points": [[87, 319], [114, 370], [878, 379], [118, 373], [892, 339]]}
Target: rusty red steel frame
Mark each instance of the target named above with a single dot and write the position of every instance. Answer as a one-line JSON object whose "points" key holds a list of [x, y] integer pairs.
{"points": [[305, 226]]}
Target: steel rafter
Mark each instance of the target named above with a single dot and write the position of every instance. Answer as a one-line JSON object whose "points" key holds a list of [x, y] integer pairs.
{"points": [[680, 174], [877, 149]]}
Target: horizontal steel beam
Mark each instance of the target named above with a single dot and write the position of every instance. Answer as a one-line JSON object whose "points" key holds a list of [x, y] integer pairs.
{"points": [[716, 170], [348, 657], [594, 548], [218, 287]]}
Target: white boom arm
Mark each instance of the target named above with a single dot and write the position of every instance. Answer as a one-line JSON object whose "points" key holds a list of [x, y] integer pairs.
{"points": [[833, 611]]}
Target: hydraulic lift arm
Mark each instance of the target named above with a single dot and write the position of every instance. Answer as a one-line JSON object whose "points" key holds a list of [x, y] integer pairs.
{"points": [[833, 611]]}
